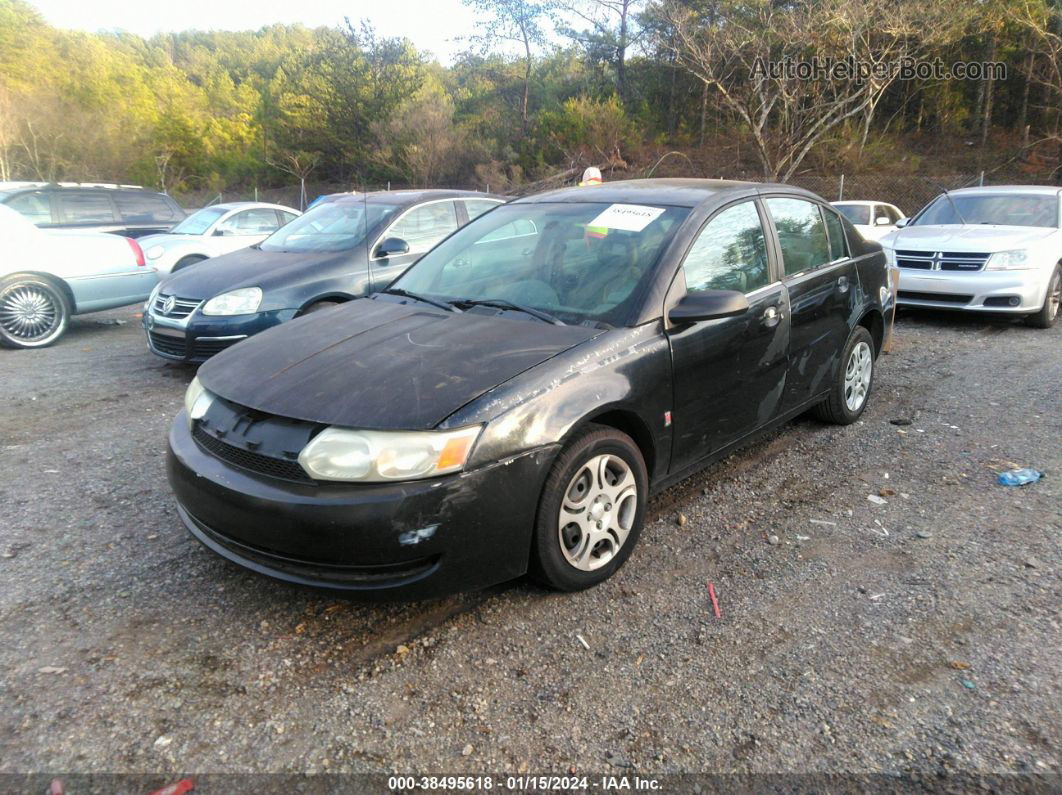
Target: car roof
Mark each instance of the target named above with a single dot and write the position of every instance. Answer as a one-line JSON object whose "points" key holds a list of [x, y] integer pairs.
{"points": [[1032, 190], [674, 192], [245, 205], [858, 202], [410, 196]]}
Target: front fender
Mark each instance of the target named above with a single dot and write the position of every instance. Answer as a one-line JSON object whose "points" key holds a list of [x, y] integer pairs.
{"points": [[626, 370]]}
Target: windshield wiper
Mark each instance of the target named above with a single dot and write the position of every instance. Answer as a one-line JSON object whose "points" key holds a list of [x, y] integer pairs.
{"points": [[421, 298], [502, 303]]}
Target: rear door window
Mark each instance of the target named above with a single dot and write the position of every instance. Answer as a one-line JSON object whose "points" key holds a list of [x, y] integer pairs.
{"points": [[476, 207], [260, 221], [838, 241], [86, 207], [801, 234]]}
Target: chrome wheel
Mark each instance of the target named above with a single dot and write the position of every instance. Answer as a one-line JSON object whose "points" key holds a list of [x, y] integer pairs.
{"points": [[857, 375], [1054, 297], [30, 313], [597, 512]]}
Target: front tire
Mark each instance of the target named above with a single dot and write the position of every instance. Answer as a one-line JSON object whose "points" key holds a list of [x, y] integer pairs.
{"points": [[852, 384], [1048, 313], [591, 511], [34, 312], [184, 262]]}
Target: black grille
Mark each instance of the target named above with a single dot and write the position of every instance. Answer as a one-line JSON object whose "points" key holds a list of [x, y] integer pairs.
{"points": [[165, 344], [943, 298], [206, 348], [251, 461]]}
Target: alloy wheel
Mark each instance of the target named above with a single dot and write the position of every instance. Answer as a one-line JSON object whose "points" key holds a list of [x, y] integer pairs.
{"points": [[29, 313], [857, 376], [597, 512]]}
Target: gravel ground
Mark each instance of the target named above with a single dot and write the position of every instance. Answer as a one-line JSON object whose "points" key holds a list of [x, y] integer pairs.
{"points": [[918, 637]]}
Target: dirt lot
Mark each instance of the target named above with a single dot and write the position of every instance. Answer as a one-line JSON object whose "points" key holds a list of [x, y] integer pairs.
{"points": [[917, 638]]}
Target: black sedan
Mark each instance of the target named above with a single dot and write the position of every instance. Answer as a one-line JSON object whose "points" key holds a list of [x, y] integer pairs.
{"points": [[346, 246], [513, 399]]}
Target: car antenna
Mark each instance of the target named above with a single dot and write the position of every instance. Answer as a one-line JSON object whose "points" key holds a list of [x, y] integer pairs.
{"points": [[954, 206]]}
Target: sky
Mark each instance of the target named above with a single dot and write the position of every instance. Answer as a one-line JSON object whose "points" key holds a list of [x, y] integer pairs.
{"points": [[430, 24]]}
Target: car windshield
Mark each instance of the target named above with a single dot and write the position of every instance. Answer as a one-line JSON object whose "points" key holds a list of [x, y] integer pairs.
{"points": [[856, 213], [331, 226], [1005, 209], [199, 221], [580, 262]]}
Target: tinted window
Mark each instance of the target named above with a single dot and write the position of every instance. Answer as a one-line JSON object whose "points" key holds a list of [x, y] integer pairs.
{"points": [[730, 253], [260, 221], [838, 242], [856, 213], [85, 207], [476, 207], [424, 226], [34, 206], [144, 208], [286, 217], [801, 234]]}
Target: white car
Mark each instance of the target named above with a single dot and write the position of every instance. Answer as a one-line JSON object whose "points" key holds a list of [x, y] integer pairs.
{"points": [[213, 231], [995, 249], [45, 277], [873, 220]]}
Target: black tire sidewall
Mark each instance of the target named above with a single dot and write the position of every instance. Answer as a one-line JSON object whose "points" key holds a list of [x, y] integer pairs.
{"points": [[64, 310], [548, 564], [859, 334], [187, 262]]}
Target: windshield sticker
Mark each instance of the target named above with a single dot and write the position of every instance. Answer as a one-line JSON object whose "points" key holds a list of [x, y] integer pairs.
{"points": [[627, 217]]}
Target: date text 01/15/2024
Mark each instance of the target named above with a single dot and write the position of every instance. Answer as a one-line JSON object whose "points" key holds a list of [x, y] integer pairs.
{"points": [[525, 783]]}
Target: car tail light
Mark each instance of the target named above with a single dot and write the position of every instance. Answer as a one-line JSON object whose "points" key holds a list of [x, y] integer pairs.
{"points": [[137, 252]]}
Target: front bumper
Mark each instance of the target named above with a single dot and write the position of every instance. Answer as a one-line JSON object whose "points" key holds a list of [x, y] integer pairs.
{"points": [[198, 337], [382, 541], [1019, 292]]}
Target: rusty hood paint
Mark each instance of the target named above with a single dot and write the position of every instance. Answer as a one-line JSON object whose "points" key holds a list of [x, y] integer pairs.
{"points": [[383, 364]]}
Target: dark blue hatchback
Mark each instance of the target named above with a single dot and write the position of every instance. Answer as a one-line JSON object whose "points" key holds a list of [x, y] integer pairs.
{"points": [[345, 247]]}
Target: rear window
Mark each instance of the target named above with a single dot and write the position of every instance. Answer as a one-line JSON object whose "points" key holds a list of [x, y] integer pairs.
{"points": [[145, 208]]}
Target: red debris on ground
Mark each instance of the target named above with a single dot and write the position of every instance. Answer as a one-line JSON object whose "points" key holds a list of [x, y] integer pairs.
{"points": [[715, 602], [56, 787], [182, 786]]}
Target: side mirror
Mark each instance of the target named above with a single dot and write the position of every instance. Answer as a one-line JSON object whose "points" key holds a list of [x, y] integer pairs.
{"points": [[882, 221], [220, 232], [709, 305], [392, 247], [902, 223]]}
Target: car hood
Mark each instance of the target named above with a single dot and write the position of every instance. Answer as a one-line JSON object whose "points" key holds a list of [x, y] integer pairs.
{"points": [[972, 238], [248, 267], [380, 364]]}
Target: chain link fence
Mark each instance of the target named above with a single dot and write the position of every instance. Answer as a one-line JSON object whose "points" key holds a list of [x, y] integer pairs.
{"points": [[908, 192]]}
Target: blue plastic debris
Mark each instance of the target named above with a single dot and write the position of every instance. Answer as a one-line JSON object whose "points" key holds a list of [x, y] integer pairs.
{"points": [[1019, 477]]}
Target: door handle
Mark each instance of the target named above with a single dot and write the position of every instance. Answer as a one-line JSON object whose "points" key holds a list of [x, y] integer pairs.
{"points": [[772, 316], [842, 284]]}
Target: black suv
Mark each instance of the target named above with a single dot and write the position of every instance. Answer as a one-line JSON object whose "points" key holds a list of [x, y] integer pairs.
{"points": [[122, 209]]}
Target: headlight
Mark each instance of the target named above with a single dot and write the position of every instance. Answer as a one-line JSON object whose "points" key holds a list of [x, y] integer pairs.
{"points": [[152, 296], [374, 456], [244, 301], [196, 401], [154, 252], [1010, 261]]}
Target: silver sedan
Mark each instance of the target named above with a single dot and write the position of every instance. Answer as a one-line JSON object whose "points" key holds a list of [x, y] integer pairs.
{"points": [[213, 231]]}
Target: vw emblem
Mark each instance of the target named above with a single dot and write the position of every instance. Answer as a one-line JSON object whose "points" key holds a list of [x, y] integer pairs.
{"points": [[169, 304]]}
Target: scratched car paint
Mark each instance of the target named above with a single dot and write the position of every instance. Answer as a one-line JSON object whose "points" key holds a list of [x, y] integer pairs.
{"points": [[511, 401]]}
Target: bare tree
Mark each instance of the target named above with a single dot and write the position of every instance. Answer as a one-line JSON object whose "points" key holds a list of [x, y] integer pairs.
{"points": [[611, 26], [1042, 22], [753, 54], [300, 165], [517, 21]]}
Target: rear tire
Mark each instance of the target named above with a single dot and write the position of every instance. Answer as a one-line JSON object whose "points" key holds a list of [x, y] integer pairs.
{"points": [[34, 311], [591, 510], [1048, 313], [184, 262], [853, 382]]}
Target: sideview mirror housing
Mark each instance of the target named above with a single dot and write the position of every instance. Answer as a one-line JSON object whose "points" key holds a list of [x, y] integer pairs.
{"points": [[710, 305], [902, 223], [220, 232], [392, 247]]}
